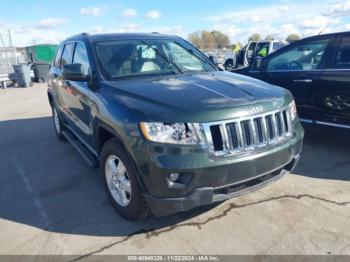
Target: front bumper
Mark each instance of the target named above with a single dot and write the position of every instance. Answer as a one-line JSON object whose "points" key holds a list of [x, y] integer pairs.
{"points": [[209, 195], [212, 180]]}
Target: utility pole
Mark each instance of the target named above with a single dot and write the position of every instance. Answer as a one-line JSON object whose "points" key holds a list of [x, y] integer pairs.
{"points": [[6, 55], [2, 41], [10, 39], [324, 28]]}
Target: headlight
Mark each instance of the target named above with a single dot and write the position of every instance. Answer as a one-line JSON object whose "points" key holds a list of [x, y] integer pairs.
{"points": [[293, 110], [179, 133]]}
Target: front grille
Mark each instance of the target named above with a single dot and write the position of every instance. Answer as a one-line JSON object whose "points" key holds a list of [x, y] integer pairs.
{"points": [[247, 184], [246, 134]]}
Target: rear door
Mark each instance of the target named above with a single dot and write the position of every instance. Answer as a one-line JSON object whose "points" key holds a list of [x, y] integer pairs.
{"points": [[333, 91], [298, 68]]}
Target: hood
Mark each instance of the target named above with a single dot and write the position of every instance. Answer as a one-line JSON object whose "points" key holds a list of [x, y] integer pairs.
{"points": [[199, 92]]}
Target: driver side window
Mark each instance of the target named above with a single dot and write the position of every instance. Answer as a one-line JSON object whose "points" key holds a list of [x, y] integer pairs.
{"points": [[303, 56]]}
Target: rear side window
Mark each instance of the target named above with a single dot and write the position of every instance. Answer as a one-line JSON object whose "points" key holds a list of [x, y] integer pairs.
{"points": [[67, 56], [81, 57], [57, 61], [277, 46], [343, 55]]}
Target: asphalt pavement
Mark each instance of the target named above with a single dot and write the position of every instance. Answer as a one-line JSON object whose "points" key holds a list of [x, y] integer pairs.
{"points": [[51, 202]]}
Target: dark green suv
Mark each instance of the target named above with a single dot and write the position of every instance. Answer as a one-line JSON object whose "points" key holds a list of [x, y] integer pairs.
{"points": [[169, 130]]}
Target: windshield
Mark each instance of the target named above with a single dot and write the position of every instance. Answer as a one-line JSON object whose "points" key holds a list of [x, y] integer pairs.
{"points": [[132, 58]]}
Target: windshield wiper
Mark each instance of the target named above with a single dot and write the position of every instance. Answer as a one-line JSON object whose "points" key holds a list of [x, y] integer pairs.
{"points": [[144, 75], [162, 56]]}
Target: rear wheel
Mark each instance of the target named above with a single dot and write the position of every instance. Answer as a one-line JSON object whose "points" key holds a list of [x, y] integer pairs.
{"points": [[58, 124], [119, 174]]}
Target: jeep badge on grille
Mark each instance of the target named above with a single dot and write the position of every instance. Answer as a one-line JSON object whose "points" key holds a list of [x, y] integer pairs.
{"points": [[255, 109]]}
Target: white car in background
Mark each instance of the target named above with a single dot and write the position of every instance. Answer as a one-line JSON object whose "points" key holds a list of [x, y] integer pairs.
{"points": [[246, 56], [213, 56]]}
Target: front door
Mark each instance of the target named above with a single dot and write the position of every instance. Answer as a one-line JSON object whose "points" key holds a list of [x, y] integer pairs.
{"points": [[76, 95], [333, 92], [298, 69]]}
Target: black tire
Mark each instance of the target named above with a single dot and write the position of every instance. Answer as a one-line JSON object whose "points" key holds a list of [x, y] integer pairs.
{"points": [[58, 130], [137, 208], [228, 67]]}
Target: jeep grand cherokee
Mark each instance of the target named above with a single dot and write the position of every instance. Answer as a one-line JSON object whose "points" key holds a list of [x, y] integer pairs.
{"points": [[169, 130]]}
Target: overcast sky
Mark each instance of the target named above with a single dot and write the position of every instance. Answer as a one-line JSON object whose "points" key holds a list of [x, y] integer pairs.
{"points": [[34, 22]]}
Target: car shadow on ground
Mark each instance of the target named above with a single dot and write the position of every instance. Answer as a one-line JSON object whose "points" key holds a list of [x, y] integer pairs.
{"points": [[325, 154], [46, 184]]}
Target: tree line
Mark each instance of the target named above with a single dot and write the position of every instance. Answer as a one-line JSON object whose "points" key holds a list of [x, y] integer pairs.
{"points": [[290, 38], [217, 40], [209, 40]]}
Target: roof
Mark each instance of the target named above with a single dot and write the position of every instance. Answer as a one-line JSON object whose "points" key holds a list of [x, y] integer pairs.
{"points": [[116, 36], [330, 34]]}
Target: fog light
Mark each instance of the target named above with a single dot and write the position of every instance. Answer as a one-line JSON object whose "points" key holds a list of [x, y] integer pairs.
{"points": [[173, 177]]}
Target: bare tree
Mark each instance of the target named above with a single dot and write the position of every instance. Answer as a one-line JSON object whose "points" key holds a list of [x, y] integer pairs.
{"points": [[254, 37], [221, 40], [209, 40], [269, 38], [196, 39]]}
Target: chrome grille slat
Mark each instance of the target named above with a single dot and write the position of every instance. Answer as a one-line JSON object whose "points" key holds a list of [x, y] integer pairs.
{"points": [[274, 126], [254, 134], [270, 129], [232, 136], [282, 122], [264, 129], [289, 122], [278, 124], [246, 133], [224, 136], [259, 131], [240, 135]]}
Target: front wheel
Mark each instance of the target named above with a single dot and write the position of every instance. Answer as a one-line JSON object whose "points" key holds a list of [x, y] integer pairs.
{"points": [[119, 175], [229, 65]]}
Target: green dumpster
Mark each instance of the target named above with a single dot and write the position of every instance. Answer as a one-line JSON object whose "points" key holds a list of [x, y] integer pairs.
{"points": [[41, 53], [41, 57]]}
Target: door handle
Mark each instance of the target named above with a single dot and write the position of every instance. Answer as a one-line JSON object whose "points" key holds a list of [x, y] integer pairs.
{"points": [[302, 80]]}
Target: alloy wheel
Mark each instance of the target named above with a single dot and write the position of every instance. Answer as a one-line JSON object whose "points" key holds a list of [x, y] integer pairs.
{"points": [[118, 181]]}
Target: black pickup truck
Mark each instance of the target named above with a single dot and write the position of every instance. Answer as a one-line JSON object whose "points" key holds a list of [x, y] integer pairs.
{"points": [[317, 72], [169, 130]]}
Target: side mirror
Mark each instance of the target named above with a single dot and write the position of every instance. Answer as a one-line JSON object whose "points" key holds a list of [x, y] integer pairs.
{"points": [[74, 72]]}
